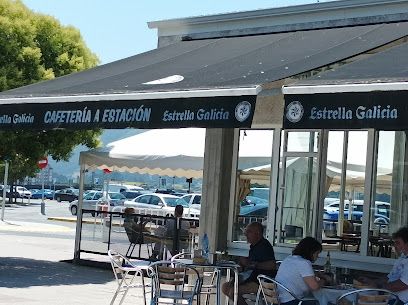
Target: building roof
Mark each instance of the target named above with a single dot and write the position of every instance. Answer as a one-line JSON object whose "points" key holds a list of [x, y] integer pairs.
{"points": [[383, 71], [185, 74]]}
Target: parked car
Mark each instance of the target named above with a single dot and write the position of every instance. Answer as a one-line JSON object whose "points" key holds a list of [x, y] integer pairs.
{"points": [[169, 191], [123, 188], [68, 194], [261, 192], [193, 200], [253, 206], [155, 202], [18, 192], [93, 199], [132, 194], [250, 206], [48, 194], [381, 211]]}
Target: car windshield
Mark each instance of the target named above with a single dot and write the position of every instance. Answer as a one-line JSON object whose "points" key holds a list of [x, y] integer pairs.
{"points": [[181, 201], [256, 200], [117, 196], [170, 201]]}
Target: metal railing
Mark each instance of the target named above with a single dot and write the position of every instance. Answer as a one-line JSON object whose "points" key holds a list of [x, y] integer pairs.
{"points": [[135, 234]]}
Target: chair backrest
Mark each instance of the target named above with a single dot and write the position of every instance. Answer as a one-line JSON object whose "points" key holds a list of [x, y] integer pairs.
{"points": [[369, 296], [133, 231], [207, 275], [121, 265], [164, 273], [268, 290], [182, 255]]}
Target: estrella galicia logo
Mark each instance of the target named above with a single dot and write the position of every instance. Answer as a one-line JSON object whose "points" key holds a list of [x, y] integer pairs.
{"points": [[242, 111], [294, 112]]}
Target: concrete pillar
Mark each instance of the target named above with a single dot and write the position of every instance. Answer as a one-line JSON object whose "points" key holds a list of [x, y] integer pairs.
{"points": [[218, 165]]}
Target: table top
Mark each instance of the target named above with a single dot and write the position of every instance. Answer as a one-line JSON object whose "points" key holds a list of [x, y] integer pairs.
{"points": [[219, 264], [330, 293]]}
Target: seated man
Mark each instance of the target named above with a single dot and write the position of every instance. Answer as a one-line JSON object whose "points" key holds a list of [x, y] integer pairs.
{"points": [[261, 260], [168, 230], [397, 280]]}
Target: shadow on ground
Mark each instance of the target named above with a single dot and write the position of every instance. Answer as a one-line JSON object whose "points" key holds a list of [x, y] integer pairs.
{"points": [[17, 272]]}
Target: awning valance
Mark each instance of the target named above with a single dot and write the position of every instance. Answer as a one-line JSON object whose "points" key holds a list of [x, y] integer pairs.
{"points": [[369, 93], [202, 83]]}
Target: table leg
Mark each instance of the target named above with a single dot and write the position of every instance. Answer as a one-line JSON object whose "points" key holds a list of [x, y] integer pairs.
{"points": [[227, 279], [235, 286], [218, 287]]}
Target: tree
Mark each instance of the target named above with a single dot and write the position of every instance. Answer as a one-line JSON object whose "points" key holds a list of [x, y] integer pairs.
{"points": [[36, 47]]}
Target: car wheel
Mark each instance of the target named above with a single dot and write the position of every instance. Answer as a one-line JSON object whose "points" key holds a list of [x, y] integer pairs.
{"points": [[93, 214], [58, 199], [74, 210]]}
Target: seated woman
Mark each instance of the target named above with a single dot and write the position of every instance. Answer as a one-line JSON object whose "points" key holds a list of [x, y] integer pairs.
{"points": [[133, 228], [296, 272]]}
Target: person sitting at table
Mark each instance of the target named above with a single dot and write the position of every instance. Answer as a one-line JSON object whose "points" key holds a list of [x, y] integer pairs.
{"points": [[296, 272], [168, 231], [133, 228], [397, 280], [261, 260]]}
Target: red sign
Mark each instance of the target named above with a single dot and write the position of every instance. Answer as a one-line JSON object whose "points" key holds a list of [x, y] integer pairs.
{"points": [[42, 163]]}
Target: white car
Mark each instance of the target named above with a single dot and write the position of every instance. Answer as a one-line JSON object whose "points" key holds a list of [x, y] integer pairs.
{"points": [[157, 204], [93, 199], [18, 191], [22, 192], [193, 200]]}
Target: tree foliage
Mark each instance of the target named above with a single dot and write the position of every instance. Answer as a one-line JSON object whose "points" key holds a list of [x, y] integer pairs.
{"points": [[36, 47]]}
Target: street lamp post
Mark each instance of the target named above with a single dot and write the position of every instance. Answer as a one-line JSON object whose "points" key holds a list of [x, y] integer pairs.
{"points": [[50, 176], [6, 166], [42, 193]]}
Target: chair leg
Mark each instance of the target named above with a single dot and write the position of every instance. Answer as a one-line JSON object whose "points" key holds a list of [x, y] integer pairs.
{"points": [[117, 292], [149, 247], [143, 290], [127, 252], [133, 248], [123, 296]]}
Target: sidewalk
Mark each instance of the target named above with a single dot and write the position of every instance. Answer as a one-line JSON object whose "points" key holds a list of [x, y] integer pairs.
{"points": [[31, 272], [22, 226]]}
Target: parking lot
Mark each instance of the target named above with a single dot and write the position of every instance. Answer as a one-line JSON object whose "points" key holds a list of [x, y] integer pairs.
{"points": [[30, 211]]}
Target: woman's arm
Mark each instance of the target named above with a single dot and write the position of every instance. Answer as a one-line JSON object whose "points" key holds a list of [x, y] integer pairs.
{"points": [[313, 282]]}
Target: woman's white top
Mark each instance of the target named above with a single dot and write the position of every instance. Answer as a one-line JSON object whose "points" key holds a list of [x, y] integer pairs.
{"points": [[291, 272]]}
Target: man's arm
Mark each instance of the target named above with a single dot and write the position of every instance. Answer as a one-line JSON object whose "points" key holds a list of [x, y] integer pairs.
{"points": [[395, 286], [244, 262], [382, 282], [266, 265]]}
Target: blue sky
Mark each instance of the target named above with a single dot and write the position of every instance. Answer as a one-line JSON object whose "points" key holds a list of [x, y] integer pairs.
{"points": [[118, 29]]}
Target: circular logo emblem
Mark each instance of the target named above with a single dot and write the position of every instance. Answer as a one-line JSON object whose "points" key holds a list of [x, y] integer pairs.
{"points": [[242, 111], [294, 112]]}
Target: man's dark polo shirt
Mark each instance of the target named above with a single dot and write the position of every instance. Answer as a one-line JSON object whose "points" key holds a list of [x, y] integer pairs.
{"points": [[262, 251]]}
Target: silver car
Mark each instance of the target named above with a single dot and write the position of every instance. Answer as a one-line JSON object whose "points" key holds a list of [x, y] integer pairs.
{"points": [[154, 204], [93, 199], [160, 204]]}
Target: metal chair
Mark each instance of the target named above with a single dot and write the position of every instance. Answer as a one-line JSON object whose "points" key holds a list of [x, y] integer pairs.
{"points": [[269, 288], [208, 278], [134, 232], [369, 296], [163, 275], [125, 274]]}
